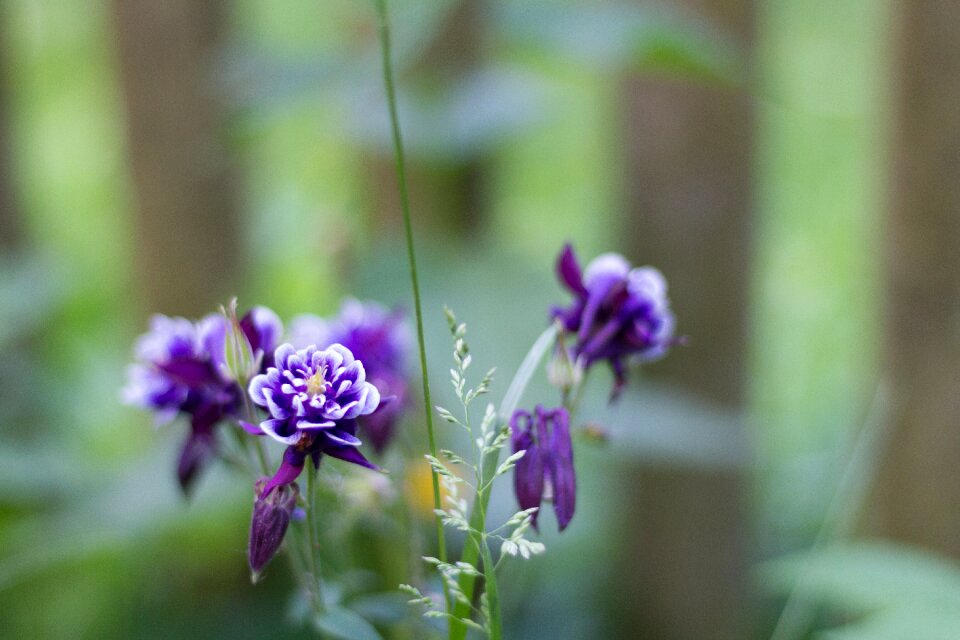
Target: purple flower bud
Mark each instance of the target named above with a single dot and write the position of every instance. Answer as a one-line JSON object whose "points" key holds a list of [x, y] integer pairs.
{"points": [[618, 313], [314, 397], [243, 347], [273, 507], [546, 471]]}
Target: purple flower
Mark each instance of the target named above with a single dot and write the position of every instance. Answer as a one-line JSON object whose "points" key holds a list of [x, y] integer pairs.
{"points": [[381, 340], [314, 397], [618, 313], [273, 507], [545, 472], [180, 370]]}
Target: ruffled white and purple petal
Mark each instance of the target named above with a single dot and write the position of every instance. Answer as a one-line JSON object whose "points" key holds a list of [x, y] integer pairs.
{"points": [[312, 389]]}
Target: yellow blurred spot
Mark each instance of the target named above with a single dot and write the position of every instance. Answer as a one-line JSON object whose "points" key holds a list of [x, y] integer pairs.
{"points": [[418, 489]]}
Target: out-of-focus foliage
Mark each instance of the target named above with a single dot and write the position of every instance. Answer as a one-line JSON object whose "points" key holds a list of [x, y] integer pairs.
{"points": [[820, 163], [94, 539], [885, 591]]}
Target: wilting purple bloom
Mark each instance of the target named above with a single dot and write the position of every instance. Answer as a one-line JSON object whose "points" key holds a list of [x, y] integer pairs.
{"points": [[273, 507], [180, 371], [618, 312], [314, 397], [545, 472], [378, 337]]}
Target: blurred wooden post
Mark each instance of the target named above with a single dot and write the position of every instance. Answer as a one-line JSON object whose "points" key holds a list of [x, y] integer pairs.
{"points": [[688, 195], [187, 223], [447, 194], [10, 231], [917, 494]]}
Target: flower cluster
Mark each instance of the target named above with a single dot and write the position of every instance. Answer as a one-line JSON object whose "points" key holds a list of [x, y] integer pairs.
{"points": [[618, 313], [313, 389], [181, 370], [378, 337]]}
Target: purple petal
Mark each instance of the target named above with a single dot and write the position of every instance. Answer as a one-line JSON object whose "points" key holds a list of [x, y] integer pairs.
{"points": [[528, 480], [192, 373], [308, 329], [289, 470], [341, 438], [263, 328], [280, 431], [306, 424], [197, 449], [350, 454], [563, 477], [252, 429], [568, 270]]}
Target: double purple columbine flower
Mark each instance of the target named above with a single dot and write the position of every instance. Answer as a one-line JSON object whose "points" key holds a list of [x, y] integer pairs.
{"points": [[182, 371], [618, 312], [378, 337], [545, 472], [314, 397]]}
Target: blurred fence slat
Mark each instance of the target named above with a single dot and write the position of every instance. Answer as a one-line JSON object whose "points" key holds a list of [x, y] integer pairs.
{"points": [[10, 232], [918, 487], [449, 193], [688, 198], [187, 244]]}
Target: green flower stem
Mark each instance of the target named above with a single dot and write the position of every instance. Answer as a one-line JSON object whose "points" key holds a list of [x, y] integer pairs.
{"points": [[251, 417], [472, 549], [488, 467], [312, 543], [297, 562], [384, 31], [493, 593]]}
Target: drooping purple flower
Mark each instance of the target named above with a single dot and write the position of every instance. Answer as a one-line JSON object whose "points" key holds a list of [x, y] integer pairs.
{"points": [[545, 472], [314, 397], [618, 313], [180, 371], [378, 337], [273, 507]]}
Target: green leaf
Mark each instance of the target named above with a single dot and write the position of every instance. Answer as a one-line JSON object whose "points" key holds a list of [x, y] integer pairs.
{"points": [[383, 608], [915, 623], [527, 368], [869, 576], [617, 37], [344, 624]]}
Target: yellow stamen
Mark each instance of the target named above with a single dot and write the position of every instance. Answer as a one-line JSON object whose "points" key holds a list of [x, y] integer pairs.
{"points": [[317, 384]]}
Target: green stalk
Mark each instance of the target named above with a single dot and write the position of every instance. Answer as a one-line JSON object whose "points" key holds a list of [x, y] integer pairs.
{"points": [[843, 511], [384, 31], [312, 543], [493, 594], [488, 467]]}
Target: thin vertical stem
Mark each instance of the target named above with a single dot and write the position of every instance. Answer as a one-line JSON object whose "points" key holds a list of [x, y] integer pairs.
{"points": [[843, 511], [312, 536], [384, 31], [493, 593]]}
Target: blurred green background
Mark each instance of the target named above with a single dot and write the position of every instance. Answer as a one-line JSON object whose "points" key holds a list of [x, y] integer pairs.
{"points": [[525, 125]]}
